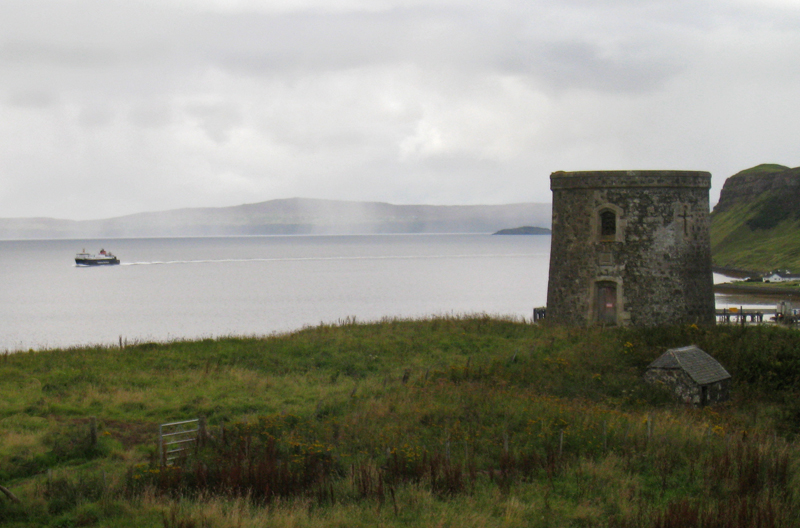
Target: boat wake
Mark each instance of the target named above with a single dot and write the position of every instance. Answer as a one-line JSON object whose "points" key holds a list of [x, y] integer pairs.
{"points": [[310, 259]]}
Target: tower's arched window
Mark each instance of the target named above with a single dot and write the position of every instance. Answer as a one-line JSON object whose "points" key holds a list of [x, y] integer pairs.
{"points": [[608, 224]]}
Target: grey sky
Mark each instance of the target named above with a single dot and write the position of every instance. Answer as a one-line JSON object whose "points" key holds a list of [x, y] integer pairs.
{"points": [[112, 107]]}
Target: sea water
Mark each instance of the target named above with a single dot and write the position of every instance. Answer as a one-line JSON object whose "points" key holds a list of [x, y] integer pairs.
{"points": [[176, 288]]}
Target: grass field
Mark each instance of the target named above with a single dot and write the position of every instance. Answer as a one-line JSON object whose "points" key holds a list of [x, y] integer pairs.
{"points": [[460, 421]]}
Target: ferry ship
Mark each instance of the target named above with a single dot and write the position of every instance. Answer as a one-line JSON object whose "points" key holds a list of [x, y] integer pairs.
{"points": [[104, 258]]}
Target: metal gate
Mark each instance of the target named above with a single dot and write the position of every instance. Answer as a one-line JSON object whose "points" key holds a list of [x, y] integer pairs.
{"points": [[177, 439]]}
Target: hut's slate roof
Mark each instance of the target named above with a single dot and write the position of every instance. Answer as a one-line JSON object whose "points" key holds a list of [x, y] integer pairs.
{"points": [[701, 367]]}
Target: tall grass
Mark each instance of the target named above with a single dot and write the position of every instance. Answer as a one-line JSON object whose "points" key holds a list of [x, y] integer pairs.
{"points": [[461, 420]]}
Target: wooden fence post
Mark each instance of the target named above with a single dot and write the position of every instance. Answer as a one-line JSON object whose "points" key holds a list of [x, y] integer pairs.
{"points": [[93, 432], [202, 433], [11, 496], [161, 454]]}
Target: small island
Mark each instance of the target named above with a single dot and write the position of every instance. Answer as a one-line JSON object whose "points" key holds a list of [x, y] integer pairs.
{"points": [[524, 230]]}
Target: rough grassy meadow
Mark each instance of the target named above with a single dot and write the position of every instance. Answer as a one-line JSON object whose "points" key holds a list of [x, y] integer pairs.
{"points": [[454, 421]]}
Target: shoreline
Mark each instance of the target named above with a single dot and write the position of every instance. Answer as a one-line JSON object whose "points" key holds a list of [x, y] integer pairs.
{"points": [[737, 273], [759, 290]]}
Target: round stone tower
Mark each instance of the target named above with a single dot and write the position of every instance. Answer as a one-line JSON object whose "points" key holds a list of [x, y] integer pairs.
{"points": [[630, 248]]}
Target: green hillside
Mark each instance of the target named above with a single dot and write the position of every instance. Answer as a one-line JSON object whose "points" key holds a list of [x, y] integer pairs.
{"points": [[764, 168], [756, 224]]}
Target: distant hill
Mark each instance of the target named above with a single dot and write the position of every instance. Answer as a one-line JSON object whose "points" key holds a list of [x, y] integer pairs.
{"points": [[288, 217], [756, 223]]}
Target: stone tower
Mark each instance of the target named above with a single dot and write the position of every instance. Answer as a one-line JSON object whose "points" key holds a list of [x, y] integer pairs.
{"points": [[630, 248]]}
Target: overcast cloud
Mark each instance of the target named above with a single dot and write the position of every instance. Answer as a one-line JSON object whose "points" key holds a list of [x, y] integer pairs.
{"points": [[113, 107]]}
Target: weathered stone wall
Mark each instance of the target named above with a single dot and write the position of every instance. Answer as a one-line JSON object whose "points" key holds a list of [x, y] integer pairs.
{"points": [[679, 382], [659, 257], [719, 391], [685, 388]]}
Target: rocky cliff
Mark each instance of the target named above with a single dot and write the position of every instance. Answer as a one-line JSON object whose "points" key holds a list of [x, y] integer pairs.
{"points": [[749, 184]]}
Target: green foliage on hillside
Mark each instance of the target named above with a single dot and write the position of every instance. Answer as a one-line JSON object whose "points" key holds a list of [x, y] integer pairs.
{"points": [[764, 168], [736, 243], [460, 421], [761, 233]]}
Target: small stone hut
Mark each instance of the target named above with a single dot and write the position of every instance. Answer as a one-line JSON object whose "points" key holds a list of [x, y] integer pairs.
{"points": [[694, 376], [630, 248]]}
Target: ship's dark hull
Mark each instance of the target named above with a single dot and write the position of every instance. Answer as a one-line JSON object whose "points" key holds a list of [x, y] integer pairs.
{"points": [[96, 262]]}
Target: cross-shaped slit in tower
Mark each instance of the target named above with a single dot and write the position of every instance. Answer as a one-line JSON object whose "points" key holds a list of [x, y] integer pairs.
{"points": [[685, 215]]}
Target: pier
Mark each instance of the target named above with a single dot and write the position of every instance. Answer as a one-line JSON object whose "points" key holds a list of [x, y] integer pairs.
{"points": [[742, 316], [785, 313], [738, 316]]}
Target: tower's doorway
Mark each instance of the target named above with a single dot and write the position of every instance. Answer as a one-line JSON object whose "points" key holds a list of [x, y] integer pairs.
{"points": [[606, 302]]}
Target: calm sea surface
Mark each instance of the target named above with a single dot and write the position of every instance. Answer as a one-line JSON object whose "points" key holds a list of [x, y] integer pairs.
{"points": [[168, 289]]}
